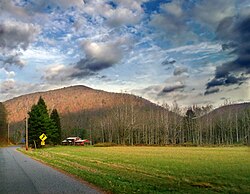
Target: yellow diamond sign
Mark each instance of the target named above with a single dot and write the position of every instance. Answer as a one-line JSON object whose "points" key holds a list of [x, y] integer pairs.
{"points": [[43, 137]]}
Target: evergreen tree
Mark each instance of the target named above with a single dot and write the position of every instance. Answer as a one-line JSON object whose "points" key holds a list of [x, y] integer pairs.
{"points": [[39, 122], [190, 114], [56, 119]]}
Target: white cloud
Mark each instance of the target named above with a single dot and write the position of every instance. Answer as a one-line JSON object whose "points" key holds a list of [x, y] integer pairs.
{"points": [[9, 10], [11, 88], [180, 70], [43, 55], [171, 17], [173, 8], [10, 74], [172, 23], [103, 52], [122, 16], [7, 85], [126, 12], [58, 73], [207, 47], [40, 5], [213, 11], [131, 4], [67, 3]]}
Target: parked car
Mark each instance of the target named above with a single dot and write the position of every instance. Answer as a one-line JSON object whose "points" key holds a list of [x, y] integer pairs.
{"points": [[66, 142]]}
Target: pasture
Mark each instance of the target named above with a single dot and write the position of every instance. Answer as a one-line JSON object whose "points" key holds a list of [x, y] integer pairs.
{"points": [[154, 169]]}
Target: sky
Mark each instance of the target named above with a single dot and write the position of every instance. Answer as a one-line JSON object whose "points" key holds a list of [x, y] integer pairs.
{"points": [[184, 51]]}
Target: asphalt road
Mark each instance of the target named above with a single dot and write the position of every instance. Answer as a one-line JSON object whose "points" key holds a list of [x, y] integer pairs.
{"points": [[21, 174]]}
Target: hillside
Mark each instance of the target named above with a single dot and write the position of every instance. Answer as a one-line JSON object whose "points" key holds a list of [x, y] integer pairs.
{"points": [[226, 110], [229, 124], [127, 119], [98, 115], [232, 107], [70, 100]]}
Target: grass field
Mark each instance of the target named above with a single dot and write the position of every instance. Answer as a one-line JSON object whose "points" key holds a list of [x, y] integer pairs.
{"points": [[155, 169]]}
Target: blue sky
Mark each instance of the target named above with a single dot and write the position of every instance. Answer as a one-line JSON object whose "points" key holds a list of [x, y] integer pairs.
{"points": [[188, 51]]}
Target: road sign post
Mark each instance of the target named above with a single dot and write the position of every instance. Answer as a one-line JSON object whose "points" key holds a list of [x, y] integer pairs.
{"points": [[43, 137]]}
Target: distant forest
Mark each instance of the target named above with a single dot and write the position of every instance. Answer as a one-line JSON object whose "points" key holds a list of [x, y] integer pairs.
{"points": [[132, 123]]}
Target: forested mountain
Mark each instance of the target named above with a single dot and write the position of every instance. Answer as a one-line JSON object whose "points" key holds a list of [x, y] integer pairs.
{"points": [[109, 116], [229, 109], [70, 100], [127, 119], [228, 124]]}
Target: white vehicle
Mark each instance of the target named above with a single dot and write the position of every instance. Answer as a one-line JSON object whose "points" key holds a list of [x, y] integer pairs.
{"points": [[70, 140]]}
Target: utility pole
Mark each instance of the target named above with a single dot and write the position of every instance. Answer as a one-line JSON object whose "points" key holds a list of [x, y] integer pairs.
{"points": [[90, 136], [8, 133], [26, 131]]}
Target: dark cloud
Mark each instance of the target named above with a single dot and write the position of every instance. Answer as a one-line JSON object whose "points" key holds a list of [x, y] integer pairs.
{"points": [[93, 65], [228, 46], [169, 89], [87, 67], [236, 33], [211, 91], [215, 82], [13, 60], [16, 35], [98, 56], [180, 70], [14, 38], [168, 62], [226, 81]]}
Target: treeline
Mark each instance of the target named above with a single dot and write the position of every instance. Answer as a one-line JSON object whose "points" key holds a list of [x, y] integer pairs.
{"points": [[226, 126], [131, 125], [3, 123]]}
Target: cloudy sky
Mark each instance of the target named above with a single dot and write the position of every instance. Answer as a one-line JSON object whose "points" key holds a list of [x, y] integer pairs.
{"points": [[189, 51]]}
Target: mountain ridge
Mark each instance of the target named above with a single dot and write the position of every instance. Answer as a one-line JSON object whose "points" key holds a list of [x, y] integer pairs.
{"points": [[70, 99]]}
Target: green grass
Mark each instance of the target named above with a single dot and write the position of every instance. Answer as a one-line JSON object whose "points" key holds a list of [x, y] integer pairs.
{"points": [[155, 169]]}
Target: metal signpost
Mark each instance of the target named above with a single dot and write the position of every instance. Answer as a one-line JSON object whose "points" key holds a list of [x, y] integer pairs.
{"points": [[43, 137]]}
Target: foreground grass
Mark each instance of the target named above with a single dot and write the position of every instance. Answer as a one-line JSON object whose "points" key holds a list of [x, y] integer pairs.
{"points": [[155, 169]]}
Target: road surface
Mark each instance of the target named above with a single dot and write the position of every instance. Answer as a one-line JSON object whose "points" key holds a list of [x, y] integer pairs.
{"points": [[21, 174]]}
